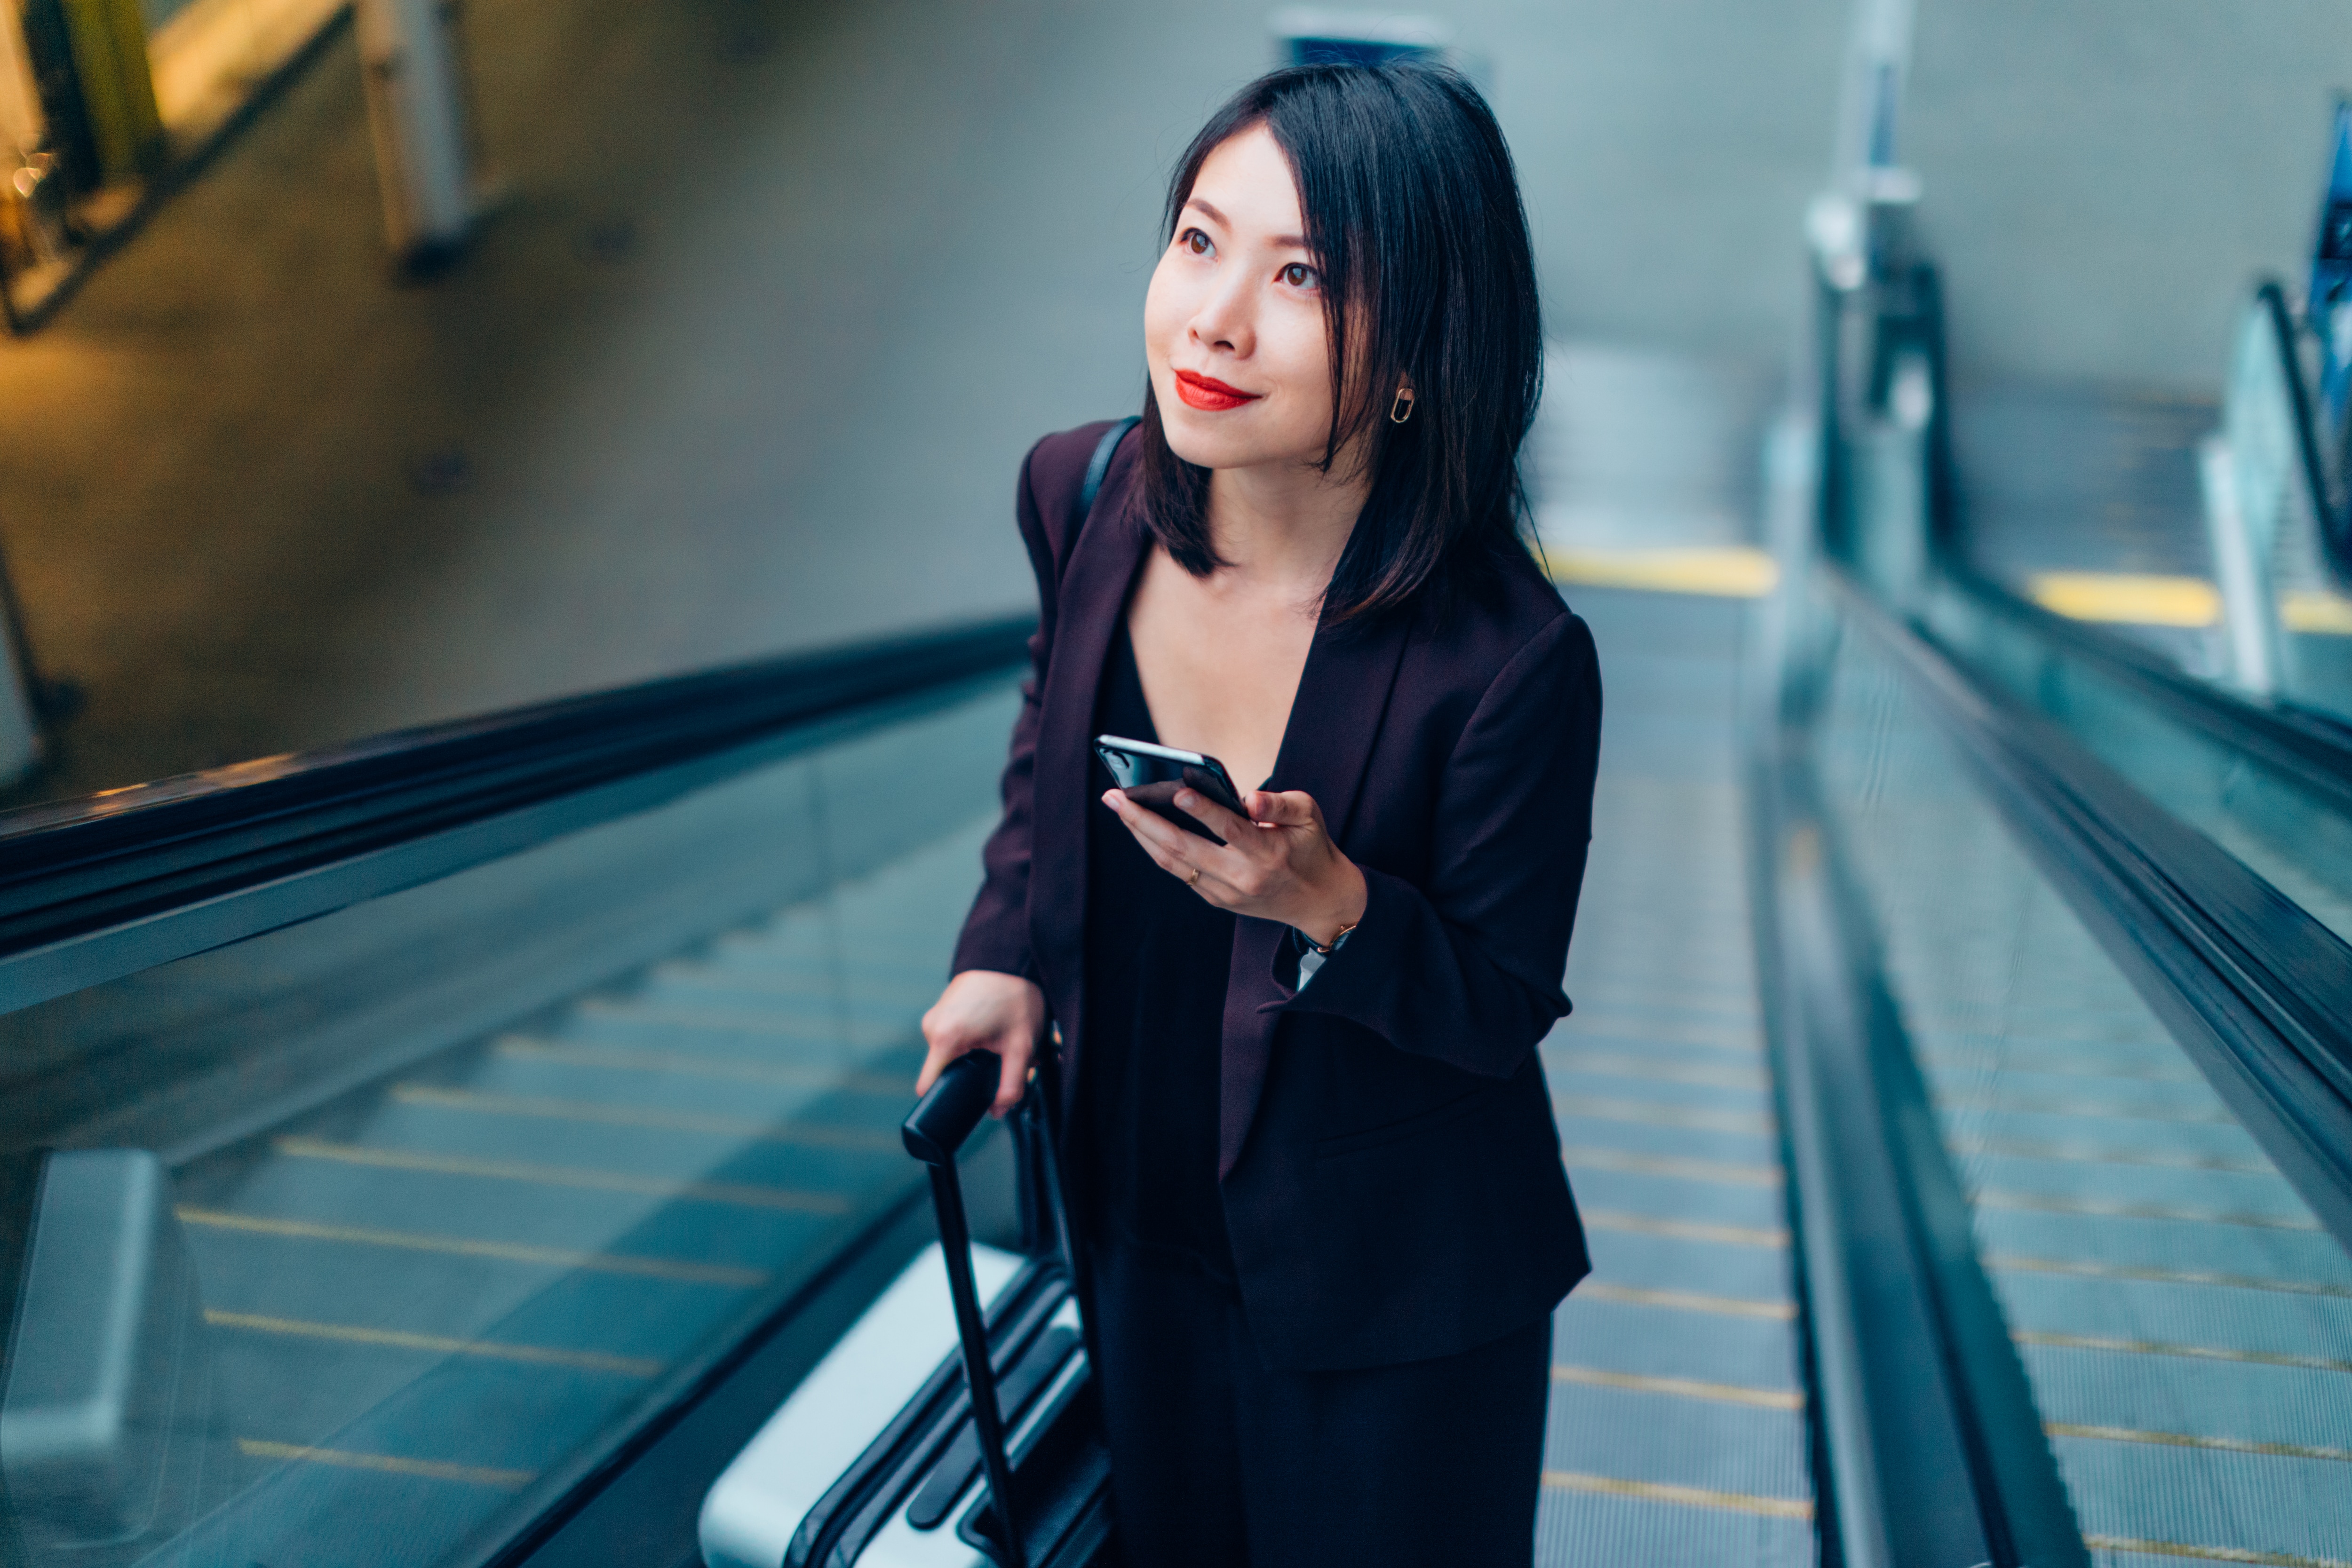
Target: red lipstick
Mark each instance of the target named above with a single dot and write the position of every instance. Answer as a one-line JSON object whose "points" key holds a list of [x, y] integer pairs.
{"points": [[1210, 393]]}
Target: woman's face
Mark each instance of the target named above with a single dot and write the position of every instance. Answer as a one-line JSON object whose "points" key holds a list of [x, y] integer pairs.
{"points": [[1233, 329]]}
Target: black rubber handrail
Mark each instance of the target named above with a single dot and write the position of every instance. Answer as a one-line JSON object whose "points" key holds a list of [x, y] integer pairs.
{"points": [[1926, 1445], [1927, 1448], [2250, 984], [109, 861], [2311, 750], [2333, 512], [2243, 978]]}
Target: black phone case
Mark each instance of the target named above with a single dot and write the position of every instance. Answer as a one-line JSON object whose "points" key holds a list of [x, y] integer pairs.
{"points": [[1151, 782]]}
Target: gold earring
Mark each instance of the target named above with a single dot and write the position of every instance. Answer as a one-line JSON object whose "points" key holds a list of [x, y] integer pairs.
{"points": [[1400, 410]]}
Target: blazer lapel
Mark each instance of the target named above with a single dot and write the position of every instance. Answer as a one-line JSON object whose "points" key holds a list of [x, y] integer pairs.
{"points": [[1335, 722], [1092, 594]]}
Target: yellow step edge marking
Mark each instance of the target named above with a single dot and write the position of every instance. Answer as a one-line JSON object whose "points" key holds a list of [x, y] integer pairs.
{"points": [[741, 1195], [2188, 601], [1626, 1014], [1731, 571], [1687, 1497], [2014, 1265], [438, 1344], [2020, 1032], [2097, 1153], [1681, 1387], [2193, 1351], [2190, 1441], [1615, 1065], [802, 1135], [2029, 1023], [2209, 1554], [466, 1247], [1653, 1114], [687, 1064], [1686, 1302], [431, 1469], [2000, 1062], [1672, 1165], [1682, 1230], [2134, 599], [818, 984], [1694, 1000], [817, 1030], [772, 959], [2053, 1203], [2315, 614], [1580, 1027], [2102, 1109]]}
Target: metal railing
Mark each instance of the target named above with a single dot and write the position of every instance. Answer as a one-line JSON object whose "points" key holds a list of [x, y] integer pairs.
{"points": [[104, 886]]}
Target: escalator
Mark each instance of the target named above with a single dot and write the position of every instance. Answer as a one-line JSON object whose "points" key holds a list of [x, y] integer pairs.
{"points": [[1677, 1431], [528, 1092], [1958, 1094], [2074, 914]]}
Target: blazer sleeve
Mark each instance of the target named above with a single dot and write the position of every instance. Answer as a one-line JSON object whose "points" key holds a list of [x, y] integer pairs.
{"points": [[1468, 968], [996, 933]]}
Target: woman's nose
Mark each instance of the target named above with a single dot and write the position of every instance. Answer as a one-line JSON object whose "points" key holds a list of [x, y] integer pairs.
{"points": [[1224, 320]]}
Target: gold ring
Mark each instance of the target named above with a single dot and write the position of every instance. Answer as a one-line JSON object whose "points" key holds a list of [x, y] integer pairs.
{"points": [[1194, 880]]}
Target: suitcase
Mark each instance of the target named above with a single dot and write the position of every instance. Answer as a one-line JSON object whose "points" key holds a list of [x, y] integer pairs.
{"points": [[924, 1490]]}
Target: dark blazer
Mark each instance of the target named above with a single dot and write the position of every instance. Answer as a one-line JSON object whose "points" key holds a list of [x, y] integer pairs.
{"points": [[1391, 1174]]}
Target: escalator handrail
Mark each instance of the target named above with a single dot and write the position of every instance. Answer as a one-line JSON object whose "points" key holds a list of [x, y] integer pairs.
{"points": [[1908, 1460], [2249, 982], [2312, 750], [105, 862], [2335, 520]]}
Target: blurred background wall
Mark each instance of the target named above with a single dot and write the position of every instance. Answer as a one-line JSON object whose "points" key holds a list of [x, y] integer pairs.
{"points": [[776, 293], [2106, 179]]}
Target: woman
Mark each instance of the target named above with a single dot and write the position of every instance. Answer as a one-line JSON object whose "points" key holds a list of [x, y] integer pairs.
{"points": [[1310, 1145]]}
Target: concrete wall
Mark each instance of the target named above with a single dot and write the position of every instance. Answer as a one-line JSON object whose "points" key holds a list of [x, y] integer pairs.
{"points": [[2104, 179]]}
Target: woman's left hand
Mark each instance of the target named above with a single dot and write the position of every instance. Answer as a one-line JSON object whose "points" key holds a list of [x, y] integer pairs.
{"points": [[1277, 863]]}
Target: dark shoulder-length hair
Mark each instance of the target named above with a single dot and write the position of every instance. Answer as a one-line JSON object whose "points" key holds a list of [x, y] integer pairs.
{"points": [[1412, 212]]}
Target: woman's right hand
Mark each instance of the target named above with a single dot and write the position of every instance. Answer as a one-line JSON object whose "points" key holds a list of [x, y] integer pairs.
{"points": [[985, 1010]]}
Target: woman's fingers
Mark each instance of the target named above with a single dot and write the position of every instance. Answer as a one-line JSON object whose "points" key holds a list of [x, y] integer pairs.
{"points": [[946, 1035], [935, 1061], [1013, 1048], [1150, 831], [1228, 875], [981, 1010], [1229, 826], [1012, 1080], [1171, 848], [1279, 863], [1284, 808]]}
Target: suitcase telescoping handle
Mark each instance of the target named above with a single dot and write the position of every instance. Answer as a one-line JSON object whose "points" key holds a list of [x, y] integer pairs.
{"points": [[937, 1128]]}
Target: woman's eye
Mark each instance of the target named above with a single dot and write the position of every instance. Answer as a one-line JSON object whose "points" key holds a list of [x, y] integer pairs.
{"points": [[1299, 275], [1195, 242]]}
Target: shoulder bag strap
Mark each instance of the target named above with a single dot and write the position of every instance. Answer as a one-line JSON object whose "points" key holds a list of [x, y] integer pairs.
{"points": [[1105, 450]]}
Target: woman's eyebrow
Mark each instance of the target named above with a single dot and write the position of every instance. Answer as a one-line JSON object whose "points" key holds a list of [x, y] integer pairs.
{"points": [[1292, 242]]}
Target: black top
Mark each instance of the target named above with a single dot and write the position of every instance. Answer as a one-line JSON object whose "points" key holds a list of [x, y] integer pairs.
{"points": [[1156, 960]]}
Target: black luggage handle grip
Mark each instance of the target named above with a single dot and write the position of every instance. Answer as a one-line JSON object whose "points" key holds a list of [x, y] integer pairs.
{"points": [[942, 1119]]}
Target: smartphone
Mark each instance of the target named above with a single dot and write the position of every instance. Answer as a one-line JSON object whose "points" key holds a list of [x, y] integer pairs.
{"points": [[1152, 774]]}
